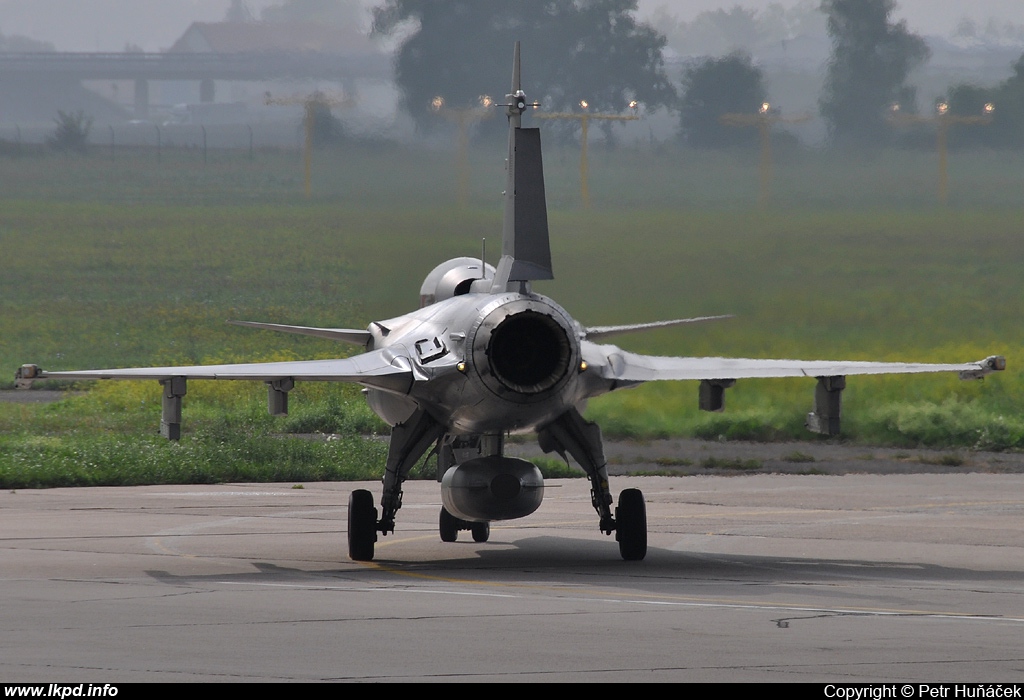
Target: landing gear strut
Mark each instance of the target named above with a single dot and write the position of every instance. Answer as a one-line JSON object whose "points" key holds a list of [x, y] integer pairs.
{"points": [[582, 439], [409, 441]]}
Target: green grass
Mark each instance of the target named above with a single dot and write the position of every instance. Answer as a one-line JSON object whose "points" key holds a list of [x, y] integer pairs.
{"points": [[634, 176], [946, 460], [108, 437], [551, 468], [132, 263], [723, 464], [672, 461], [82, 459], [798, 457]]}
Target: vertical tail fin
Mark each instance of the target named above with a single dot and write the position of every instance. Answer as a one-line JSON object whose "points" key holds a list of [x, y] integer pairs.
{"points": [[525, 250]]}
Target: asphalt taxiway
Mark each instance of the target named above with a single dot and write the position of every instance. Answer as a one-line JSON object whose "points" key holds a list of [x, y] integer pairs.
{"points": [[901, 577]]}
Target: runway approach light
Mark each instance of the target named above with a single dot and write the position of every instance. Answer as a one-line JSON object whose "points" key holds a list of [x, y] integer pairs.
{"points": [[764, 120], [464, 118], [584, 118]]}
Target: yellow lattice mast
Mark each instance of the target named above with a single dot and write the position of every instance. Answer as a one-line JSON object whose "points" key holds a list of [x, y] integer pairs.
{"points": [[310, 103], [463, 118], [764, 120], [942, 120], [584, 118]]}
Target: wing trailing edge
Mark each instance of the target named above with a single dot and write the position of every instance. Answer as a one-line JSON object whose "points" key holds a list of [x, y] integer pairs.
{"points": [[347, 335], [606, 331]]}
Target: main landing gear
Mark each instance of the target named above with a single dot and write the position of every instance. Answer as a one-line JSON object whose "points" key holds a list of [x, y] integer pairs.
{"points": [[409, 441], [631, 525], [582, 439], [362, 525], [568, 433]]}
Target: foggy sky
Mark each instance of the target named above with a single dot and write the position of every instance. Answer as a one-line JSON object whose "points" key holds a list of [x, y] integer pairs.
{"points": [[108, 25], [923, 16]]}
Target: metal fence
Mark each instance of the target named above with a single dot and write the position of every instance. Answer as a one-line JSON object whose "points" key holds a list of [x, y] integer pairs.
{"points": [[159, 137]]}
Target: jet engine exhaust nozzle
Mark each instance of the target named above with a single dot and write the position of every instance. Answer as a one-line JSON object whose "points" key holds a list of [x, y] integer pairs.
{"points": [[529, 352]]}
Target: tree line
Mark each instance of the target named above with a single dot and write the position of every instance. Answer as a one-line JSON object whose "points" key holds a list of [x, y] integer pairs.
{"points": [[597, 49]]}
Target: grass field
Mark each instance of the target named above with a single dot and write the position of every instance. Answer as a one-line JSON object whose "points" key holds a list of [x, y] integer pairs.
{"points": [[133, 262]]}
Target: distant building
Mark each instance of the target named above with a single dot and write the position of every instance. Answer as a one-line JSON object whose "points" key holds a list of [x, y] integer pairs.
{"points": [[235, 37]]}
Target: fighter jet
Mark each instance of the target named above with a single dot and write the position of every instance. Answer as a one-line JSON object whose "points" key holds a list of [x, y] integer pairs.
{"points": [[486, 356]]}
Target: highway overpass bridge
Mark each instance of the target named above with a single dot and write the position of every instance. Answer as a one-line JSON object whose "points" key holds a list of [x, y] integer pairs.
{"points": [[205, 68]]}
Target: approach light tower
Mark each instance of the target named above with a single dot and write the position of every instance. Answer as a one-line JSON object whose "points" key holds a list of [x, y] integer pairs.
{"points": [[310, 103], [764, 120], [942, 120], [584, 118], [463, 117]]}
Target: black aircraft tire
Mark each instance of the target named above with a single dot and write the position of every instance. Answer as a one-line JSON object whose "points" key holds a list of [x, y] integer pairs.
{"points": [[362, 525], [631, 525], [448, 526], [481, 532]]}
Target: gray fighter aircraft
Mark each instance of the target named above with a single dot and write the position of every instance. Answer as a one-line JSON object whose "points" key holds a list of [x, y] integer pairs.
{"points": [[485, 356]]}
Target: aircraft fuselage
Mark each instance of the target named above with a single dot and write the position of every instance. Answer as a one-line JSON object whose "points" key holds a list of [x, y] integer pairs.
{"points": [[487, 363]]}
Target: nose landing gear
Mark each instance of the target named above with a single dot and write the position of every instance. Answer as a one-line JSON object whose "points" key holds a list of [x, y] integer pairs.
{"points": [[448, 526]]}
